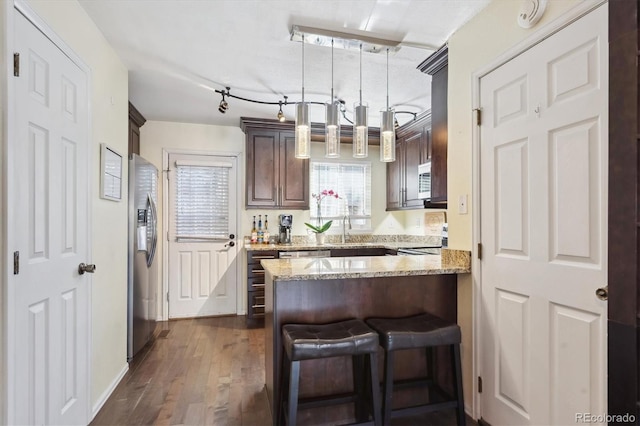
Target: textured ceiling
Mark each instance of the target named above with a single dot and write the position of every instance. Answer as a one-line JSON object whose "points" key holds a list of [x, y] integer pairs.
{"points": [[179, 52]]}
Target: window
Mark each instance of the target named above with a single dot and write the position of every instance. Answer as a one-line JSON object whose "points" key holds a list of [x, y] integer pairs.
{"points": [[202, 200], [352, 182]]}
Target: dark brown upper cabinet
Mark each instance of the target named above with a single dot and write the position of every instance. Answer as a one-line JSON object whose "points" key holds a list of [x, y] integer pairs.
{"points": [[275, 178], [436, 66], [413, 147], [136, 120]]}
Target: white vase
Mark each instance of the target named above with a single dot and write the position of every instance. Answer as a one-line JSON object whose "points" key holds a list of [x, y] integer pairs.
{"points": [[320, 238]]}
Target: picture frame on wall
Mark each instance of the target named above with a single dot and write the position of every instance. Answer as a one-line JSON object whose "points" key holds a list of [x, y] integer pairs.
{"points": [[110, 173]]}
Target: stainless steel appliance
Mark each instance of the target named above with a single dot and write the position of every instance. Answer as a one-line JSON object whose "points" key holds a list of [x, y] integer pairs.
{"points": [[303, 254], [419, 251], [285, 221], [143, 236], [424, 180]]}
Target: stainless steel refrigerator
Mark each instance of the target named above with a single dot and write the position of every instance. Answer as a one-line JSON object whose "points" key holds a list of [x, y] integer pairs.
{"points": [[143, 237]]}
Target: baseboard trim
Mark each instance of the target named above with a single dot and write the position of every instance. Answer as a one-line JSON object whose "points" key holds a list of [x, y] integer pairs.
{"points": [[107, 393]]}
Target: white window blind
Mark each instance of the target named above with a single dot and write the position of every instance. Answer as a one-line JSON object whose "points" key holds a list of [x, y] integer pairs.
{"points": [[352, 182], [202, 201]]}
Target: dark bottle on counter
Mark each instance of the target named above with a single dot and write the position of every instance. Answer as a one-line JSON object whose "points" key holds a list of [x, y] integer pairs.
{"points": [[260, 231], [254, 232]]}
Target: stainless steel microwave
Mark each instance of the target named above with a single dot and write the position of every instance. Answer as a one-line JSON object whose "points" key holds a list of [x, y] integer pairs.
{"points": [[424, 181]]}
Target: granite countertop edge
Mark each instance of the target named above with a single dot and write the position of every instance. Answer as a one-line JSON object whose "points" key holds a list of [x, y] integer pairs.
{"points": [[450, 262]]}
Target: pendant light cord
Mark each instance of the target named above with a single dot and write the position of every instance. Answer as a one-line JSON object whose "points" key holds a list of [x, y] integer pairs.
{"points": [[360, 74], [387, 79], [302, 68], [332, 71]]}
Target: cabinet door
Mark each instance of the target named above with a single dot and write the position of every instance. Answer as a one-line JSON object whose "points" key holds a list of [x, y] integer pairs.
{"points": [[439, 140], [412, 149], [294, 175], [394, 181], [263, 156]]}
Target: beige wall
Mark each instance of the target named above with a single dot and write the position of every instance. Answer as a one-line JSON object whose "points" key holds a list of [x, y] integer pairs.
{"points": [[478, 43], [109, 124]]}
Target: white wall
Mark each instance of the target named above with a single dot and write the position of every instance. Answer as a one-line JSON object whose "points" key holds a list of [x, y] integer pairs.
{"points": [[109, 124], [478, 43], [3, 168]]}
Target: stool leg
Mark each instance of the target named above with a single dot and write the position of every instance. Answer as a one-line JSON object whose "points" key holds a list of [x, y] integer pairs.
{"points": [[294, 383], [375, 387], [357, 368], [285, 369], [457, 368], [388, 388]]}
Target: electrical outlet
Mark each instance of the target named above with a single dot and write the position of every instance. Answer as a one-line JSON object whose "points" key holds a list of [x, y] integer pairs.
{"points": [[417, 222], [462, 204]]}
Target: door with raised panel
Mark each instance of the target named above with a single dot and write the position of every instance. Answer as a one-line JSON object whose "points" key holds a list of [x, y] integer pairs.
{"points": [[49, 299], [544, 229], [203, 195]]}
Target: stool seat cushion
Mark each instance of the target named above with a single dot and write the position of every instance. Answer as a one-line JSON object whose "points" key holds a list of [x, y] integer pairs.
{"points": [[415, 332], [310, 341]]}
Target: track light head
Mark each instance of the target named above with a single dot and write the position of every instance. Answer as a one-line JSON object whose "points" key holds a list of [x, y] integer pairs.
{"points": [[224, 106]]}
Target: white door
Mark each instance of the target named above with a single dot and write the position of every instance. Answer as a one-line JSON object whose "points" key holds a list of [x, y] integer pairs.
{"points": [[48, 199], [544, 229], [203, 196]]}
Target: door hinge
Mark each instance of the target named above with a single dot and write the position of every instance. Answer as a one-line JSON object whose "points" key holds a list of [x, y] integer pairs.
{"points": [[479, 384], [16, 65], [478, 116], [168, 236], [167, 296], [480, 251], [16, 262]]}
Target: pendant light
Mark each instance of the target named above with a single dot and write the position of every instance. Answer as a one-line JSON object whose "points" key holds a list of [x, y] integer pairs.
{"points": [[332, 122], [303, 127], [387, 128], [361, 134]]}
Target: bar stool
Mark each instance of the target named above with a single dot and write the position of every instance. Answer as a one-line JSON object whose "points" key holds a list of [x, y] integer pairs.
{"points": [[312, 341], [421, 331]]}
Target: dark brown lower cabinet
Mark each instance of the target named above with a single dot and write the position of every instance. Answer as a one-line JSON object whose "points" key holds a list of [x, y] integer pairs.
{"points": [[255, 282]]}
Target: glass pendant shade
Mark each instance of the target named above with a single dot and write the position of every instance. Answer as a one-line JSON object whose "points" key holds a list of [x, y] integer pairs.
{"points": [[387, 136], [361, 131], [332, 131], [303, 131]]}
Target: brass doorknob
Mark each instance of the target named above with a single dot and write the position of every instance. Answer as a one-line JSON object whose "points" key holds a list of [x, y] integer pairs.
{"points": [[89, 268], [603, 293]]}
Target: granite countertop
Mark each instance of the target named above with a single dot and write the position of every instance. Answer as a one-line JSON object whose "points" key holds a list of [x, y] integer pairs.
{"points": [[450, 262], [328, 246]]}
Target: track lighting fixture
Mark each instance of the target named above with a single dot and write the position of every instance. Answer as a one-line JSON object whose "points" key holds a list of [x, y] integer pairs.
{"points": [[281, 117], [224, 106]]}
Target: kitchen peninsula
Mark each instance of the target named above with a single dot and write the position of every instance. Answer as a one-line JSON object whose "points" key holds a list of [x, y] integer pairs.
{"points": [[323, 290]]}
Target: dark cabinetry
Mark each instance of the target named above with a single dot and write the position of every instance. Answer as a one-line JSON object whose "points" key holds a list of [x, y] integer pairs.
{"points": [[275, 178], [436, 66], [255, 282], [413, 147], [358, 252], [136, 120]]}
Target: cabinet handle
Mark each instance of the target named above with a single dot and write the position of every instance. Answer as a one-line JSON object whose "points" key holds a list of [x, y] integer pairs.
{"points": [[258, 271], [281, 195], [257, 285], [263, 257], [257, 306]]}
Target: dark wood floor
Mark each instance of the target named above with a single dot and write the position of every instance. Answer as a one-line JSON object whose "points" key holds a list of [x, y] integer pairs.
{"points": [[207, 371]]}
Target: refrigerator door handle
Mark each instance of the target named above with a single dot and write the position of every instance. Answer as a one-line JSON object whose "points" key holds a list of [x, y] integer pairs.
{"points": [[154, 230]]}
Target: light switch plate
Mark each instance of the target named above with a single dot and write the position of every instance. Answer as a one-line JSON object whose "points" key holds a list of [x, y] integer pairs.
{"points": [[462, 204]]}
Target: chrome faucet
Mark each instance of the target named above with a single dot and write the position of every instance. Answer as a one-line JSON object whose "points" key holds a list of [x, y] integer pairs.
{"points": [[346, 218]]}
